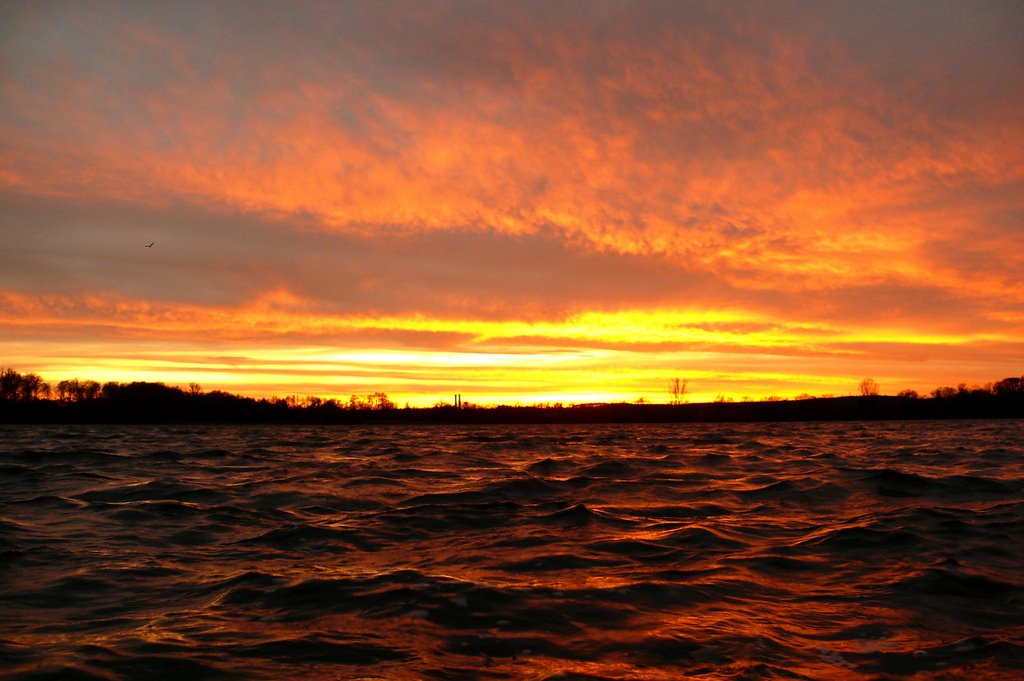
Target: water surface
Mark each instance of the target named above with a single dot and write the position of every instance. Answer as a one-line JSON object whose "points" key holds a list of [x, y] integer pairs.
{"points": [[737, 551]]}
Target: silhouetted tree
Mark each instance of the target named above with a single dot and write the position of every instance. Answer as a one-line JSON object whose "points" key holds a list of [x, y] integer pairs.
{"points": [[74, 390], [67, 390], [677, 388], [17, 387], [89, 390], [31, 387], [380, 401], [10, 383], [1009, 387], [868, 387]]}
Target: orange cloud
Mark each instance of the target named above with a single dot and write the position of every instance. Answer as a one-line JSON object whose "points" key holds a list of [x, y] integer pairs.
{"points": [[771, 171]]}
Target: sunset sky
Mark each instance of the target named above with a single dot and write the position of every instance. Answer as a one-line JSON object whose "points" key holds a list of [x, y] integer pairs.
{"points": [[515, 201]]}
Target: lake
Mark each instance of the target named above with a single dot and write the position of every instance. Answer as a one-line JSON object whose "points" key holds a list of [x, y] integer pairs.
{"points": [[730, 551]]}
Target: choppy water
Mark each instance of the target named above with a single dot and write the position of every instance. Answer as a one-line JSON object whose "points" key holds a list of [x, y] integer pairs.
{"points": [[817, 551]]}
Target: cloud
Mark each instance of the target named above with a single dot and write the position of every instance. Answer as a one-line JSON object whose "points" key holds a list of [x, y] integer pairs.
{"points": [[231, 260], [457, 115], [849, 168]]}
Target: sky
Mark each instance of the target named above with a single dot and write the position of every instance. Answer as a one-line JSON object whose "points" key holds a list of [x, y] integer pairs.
{"points": [[519, 202]]}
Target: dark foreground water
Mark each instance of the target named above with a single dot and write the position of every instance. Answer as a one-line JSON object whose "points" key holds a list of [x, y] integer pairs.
{"points": [[817, 551]]}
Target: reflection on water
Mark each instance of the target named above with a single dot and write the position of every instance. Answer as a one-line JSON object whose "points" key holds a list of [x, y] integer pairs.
{"points": [[817, 551]]}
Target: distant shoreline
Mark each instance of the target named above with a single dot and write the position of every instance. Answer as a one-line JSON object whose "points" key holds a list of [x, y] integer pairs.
{"points": [[223, 409], [26, 398]]}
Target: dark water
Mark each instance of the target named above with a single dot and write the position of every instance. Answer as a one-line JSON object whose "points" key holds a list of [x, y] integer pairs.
{"points": [[818, 551]]}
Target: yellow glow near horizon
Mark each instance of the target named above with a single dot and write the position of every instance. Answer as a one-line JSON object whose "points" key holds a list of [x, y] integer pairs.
{"points": [[590, 356], [421, 378]]}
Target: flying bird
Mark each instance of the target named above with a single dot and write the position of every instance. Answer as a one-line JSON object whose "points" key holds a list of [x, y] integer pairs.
{"points": [[150, 244]]}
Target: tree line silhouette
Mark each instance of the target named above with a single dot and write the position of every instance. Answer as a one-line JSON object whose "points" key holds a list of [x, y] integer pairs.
{"points": [[27, 398]]}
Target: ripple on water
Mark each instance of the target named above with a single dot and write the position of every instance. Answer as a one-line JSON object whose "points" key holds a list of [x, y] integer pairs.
{"points": [[858, 551]]}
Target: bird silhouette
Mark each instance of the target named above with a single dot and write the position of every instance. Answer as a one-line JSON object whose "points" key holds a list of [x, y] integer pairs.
{"points": [[150, 244]]}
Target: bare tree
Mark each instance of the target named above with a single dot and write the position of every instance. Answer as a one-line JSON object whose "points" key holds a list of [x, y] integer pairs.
{"points": [[65, 390], [677, 387], [90, 390], [31, 387], [868, 387], [10, 384], [381, 401]]}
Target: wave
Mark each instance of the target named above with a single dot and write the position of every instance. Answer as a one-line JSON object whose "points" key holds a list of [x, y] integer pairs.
{"points": [[854, 551]]}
